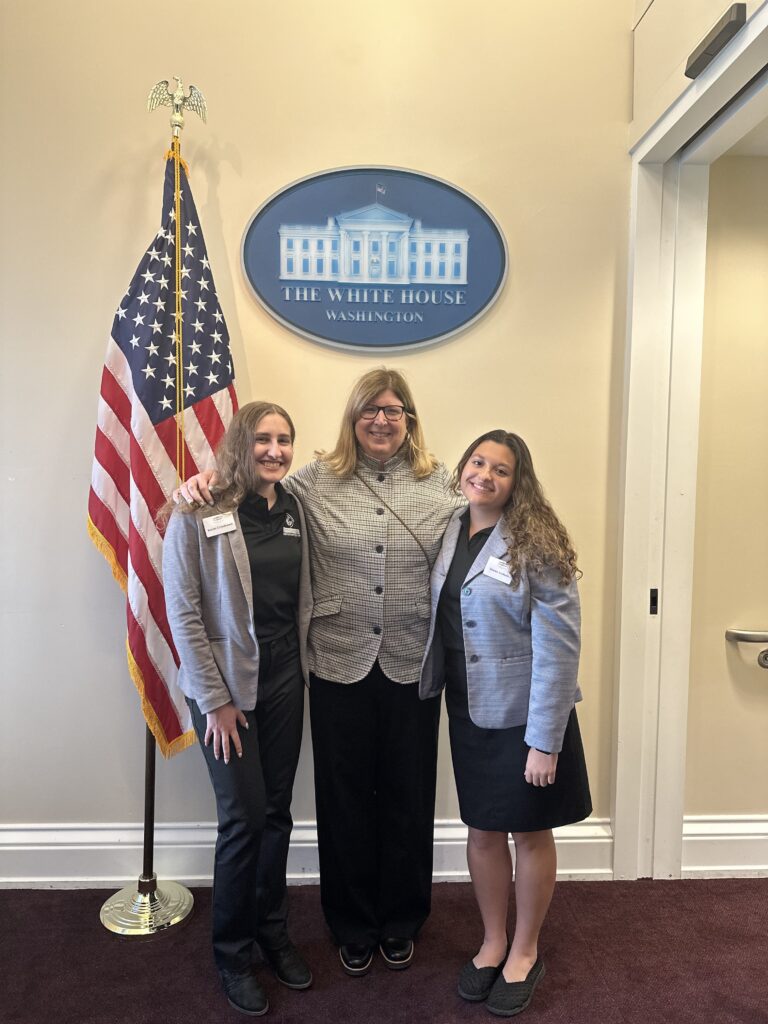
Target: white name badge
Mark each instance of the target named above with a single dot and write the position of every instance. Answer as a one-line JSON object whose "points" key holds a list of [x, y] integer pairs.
{"points": [[289, 531], [498, 569], [222, 523]]}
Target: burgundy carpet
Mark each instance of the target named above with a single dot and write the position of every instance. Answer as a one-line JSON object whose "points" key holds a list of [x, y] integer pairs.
{"points": [[690, 952]]}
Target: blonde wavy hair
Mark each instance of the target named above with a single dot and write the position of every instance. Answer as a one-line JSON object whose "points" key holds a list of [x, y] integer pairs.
{"points": [[342, 460], [237, 472], [538, 538]]}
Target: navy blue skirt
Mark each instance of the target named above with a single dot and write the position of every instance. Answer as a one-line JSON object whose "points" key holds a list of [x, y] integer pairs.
{"points": [[489, 767]]}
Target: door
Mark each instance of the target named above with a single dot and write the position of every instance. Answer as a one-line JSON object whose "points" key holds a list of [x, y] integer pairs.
{"points": [[726, 779]]}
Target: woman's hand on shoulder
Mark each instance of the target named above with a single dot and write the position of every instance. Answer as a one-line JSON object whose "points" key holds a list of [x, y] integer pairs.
{"points": [[196, 490], [221, 727], [540, 768]]}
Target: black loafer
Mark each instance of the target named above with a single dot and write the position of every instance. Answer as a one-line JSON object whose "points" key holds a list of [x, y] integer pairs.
{"points": [[289, 966], [507, 998], [356, 959], [475, 983], [397, 953], [244, 992]]}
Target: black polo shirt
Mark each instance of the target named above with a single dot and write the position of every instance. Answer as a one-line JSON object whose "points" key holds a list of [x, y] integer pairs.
{"points": [[272, 537]]}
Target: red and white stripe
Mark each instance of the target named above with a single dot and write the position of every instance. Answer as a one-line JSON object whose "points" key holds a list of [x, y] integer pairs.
{"points": [[134, 473]]}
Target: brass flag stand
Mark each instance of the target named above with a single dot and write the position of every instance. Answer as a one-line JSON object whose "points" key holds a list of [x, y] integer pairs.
{"points": [[150, 908]]}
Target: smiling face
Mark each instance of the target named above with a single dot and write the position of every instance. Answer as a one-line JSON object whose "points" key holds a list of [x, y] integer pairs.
{"points": [[379, 437], [272, 450], [488, 478]]}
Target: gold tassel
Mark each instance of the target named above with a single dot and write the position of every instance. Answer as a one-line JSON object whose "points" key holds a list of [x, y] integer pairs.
{"points": [[179, 320], [184, 164]]}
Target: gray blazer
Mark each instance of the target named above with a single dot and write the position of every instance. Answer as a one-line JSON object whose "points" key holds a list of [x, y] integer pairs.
{"points": [[209, 599], [521, 646]]}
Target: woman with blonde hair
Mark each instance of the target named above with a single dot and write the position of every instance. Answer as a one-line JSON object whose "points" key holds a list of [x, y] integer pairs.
{"points": [[376, 506], [239, 601], [504, 642]]}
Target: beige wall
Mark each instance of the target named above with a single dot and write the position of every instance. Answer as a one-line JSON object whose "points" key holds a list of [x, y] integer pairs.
{"points": [[727, 760], [488, 96]]}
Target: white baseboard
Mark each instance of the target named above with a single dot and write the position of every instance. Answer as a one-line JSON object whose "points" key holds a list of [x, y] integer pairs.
{"points": [[725, 846], [109, 856]]}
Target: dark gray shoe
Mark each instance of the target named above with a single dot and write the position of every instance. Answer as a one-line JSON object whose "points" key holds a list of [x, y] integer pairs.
{"points": [[244, 992], [507, 998], [289, 966], [476, 982]]}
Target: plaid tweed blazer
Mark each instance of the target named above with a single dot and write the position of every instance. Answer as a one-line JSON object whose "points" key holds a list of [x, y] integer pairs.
{"points": [[370, 579]]}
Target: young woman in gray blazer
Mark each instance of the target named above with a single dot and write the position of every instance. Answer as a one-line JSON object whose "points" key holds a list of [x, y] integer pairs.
{"points": [[237, 590], [504, 642]]}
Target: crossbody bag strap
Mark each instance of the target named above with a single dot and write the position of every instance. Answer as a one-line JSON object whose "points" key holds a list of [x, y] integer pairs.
{"points": [[404, 525]]}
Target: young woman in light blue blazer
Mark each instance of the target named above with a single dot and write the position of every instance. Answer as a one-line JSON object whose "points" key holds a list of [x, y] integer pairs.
{"points": [[504, 643], [238, 595]]}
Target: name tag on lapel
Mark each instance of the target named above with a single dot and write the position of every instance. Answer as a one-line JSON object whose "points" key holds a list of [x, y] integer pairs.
{"points": [[289, 531], [498, 569], [222, 523]]}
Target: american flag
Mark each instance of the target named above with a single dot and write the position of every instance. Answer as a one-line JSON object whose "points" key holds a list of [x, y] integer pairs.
{"points": [[135, 458]]}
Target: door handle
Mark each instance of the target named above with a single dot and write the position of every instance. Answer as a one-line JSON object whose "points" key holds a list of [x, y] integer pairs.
{"points": [[747, 636], [751, 636]]}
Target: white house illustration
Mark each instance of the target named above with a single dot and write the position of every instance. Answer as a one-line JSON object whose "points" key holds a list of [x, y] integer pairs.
{"points": [[373, 245]]}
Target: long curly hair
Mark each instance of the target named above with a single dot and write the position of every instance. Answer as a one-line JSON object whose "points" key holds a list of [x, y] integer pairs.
{"points": [[538, 539], [342, 460], [237, 472]]}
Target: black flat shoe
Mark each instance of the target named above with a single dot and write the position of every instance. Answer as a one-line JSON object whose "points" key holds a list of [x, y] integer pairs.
{"points": [[356, 959], [476, 982], [244, 992], [290, 967], [397, 953], [507, 998]]}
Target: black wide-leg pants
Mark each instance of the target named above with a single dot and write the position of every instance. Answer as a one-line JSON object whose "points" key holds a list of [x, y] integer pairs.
{"points": [[253, 805], [375, 752]]}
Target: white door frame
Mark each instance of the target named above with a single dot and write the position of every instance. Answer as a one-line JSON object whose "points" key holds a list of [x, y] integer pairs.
{"points": [[668, 230]]}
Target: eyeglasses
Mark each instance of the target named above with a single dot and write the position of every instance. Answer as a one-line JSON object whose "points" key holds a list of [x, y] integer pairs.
{"points": [[393, 413]]}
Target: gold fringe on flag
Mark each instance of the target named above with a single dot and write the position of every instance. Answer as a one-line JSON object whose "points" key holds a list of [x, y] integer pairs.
{"points": [[167, 747], [106, 549]]}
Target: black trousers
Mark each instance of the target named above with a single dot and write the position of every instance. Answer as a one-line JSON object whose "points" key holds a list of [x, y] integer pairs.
{"points": [[375, 751], [253, 805]]}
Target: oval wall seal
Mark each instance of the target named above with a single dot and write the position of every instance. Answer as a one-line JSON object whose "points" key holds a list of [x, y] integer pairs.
{"points": [[374, 258]]}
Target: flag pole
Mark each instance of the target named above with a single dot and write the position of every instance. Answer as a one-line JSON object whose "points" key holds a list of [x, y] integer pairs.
{"points": [[150, 908], [147, 874]]}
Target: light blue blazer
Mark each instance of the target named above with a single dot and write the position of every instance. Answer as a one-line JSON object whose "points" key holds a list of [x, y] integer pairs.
{"points": [[209, 600], [521, 646]]}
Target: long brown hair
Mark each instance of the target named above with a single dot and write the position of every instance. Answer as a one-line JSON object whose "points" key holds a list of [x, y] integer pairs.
{"points": [[237, 472], [343, 458], [538, 538]]}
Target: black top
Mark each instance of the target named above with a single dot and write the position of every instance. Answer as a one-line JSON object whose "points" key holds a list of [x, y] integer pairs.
{"points": [[274, 554], [449, 619]]}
